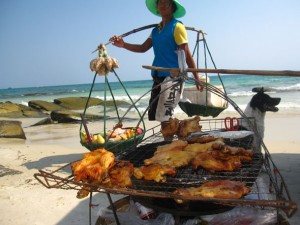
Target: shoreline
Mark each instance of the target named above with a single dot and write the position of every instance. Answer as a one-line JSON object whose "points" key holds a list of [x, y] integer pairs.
{"points": [[51, 146]]}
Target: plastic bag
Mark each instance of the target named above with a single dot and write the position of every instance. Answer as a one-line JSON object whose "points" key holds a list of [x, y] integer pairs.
{"points": [[163, 219], [192, 222], [245, 216], [168, 98], [132, 217], [125, 218], [129, 218], [127, 215]]}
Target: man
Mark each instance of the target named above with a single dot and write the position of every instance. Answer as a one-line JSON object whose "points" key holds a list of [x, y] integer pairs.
{"points": [[167, 38]]}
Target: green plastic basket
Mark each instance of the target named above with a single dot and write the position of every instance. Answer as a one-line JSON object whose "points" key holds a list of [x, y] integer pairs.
{"points": [[115, 147], [192, 109]]}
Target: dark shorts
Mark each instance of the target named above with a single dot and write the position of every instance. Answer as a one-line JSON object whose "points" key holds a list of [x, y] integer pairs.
{"points": [[154, 96]]}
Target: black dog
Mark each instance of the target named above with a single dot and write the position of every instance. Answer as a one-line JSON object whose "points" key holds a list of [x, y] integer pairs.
{"points": [[257, 108]]}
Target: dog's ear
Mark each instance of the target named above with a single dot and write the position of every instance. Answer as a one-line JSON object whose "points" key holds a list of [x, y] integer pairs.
{"points": [[258, 100], [262, 90], [258, 89]]}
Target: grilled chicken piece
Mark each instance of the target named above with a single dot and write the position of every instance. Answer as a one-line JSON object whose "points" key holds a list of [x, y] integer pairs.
{"points": [[120, 174], [174, 158], [238, 151], [104, 157], [155, 172], [226, 156], [189, 126], [224, 189], [93, 166], [199, 148], [169, 128], [84, 192], [177, 144], [221, 158], [179, 153], [202, 139], [208, 161]]}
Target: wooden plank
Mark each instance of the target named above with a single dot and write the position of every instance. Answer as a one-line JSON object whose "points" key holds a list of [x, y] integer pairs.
{"points": [[289, 73]]}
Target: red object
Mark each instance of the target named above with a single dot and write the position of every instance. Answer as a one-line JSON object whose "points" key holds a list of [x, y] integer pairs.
{"points": [[87, 138], [139, 130], [231, 124], [145, 213], [118, 125]]}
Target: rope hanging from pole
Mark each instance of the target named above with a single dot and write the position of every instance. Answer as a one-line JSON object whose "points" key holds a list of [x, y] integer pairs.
{"points": [[195, 105], [117, 138]]}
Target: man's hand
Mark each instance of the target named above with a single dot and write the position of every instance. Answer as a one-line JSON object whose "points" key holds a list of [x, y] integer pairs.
{"points": [[117, 41], [198, 85]]}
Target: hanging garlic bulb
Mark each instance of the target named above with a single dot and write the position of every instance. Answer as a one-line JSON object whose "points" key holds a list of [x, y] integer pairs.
{"points": [[104, 63], [93, 64]]}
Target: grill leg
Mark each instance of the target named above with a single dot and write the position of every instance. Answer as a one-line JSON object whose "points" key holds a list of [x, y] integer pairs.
{"points": [[113, 208], [177, 219]]}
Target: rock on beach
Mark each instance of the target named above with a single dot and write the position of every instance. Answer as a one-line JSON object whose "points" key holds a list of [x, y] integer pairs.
{"points": [[11, 129], [12, 110], [41, 108], [61, 110], [44, 105], [77, 103], [67, 116]]}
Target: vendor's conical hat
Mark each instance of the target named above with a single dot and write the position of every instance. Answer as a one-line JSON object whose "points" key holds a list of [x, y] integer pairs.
{"points": [[152, 6]]}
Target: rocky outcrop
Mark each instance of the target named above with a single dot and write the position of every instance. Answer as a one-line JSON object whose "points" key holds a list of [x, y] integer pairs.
{"points": [[12, 110], [62, 110], [117, 103], [76, 103], [43, 122], [67, 116], [44, 105], [11, 129]]}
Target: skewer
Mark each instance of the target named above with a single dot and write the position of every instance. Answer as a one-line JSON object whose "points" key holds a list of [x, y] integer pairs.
{"points": [[290, 73]]}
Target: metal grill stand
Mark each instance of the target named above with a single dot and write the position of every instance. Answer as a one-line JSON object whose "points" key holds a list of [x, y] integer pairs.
{"points": [[276, 186]]}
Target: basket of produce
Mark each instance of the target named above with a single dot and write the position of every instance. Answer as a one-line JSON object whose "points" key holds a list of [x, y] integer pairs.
{"points": [[118, 138], [115, 140]]}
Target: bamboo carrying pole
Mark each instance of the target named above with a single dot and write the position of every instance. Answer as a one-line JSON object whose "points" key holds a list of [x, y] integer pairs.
{"points": [[144, 28], [289, 73]]}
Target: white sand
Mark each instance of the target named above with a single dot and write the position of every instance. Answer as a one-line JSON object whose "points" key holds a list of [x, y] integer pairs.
{"points": [[23, 200]]}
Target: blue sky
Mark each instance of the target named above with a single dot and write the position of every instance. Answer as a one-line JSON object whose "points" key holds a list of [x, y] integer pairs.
{"points": [[49, 42]]}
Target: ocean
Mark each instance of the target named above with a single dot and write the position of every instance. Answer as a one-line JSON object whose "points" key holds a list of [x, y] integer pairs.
{"points": [[238, 88]]}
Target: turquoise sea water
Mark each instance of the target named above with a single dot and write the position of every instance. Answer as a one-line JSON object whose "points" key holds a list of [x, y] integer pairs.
{"points": [[238, 88]]}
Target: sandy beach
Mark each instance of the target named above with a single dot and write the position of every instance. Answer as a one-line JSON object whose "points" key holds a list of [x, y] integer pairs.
{"points": [[23, 200]]}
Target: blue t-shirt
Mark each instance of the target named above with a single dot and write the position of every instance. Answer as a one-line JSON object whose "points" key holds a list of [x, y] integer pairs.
{"points": [[165, 47]]}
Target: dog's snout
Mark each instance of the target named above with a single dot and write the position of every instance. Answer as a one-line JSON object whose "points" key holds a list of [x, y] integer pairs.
{"points": [[277, 101]]}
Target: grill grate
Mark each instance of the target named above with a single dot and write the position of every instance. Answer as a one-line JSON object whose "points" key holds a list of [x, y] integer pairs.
{"points": [[273, 194], [186, 176]]}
